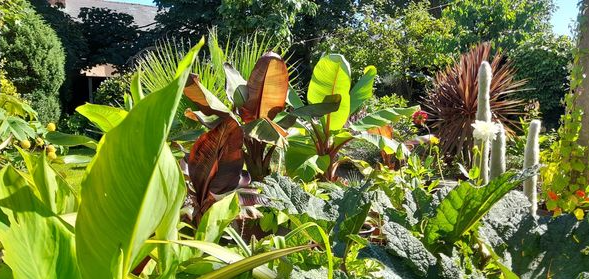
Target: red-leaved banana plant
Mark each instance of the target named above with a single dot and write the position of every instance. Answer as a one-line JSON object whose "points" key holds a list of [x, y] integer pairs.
{"points": [[215, 164]]}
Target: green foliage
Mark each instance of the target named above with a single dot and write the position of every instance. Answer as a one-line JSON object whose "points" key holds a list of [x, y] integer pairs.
{"points": [[74, 44], [36, 242], [11, 12], [36, 64], [505, 22], [111, 91], [543, 61], [465, 205], [112, 37], [408, 45], [195, 17]]}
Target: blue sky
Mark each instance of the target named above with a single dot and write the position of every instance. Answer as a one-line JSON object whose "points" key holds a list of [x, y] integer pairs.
{"points": [[563, 17], [565, 14]]}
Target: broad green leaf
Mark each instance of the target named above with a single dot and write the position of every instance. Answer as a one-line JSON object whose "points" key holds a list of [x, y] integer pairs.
{"points": [[54, 191], [329, 104], [225, 255], [265, 130], [389, 146], [16, 126], [466, 204], [331, 76], [133, 187], [37, 243], [235, 86], [362, 90], [293, 99], [217, 218], [136, 88], [353, 211], [104, 117], [302, 161], [383, 117], [63, 139]]}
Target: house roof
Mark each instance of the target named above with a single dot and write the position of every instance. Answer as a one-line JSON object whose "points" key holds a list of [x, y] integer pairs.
{"points": [[143, 14], [104, 70]]}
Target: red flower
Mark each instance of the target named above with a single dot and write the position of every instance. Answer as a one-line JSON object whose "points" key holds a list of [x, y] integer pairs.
{"points": [[419, 117], [552, 195], [580, 193]]}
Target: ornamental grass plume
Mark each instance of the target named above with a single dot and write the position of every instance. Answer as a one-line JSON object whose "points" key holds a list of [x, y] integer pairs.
{"points": [[532, 158], [498, 149]]}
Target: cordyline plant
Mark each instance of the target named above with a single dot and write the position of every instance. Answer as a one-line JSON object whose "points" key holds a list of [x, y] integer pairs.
{"points": [[452, 104], [313, 152]]}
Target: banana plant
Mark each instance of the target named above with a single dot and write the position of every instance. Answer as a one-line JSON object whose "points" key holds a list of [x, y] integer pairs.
{"points": [[314, 147], [256, 102]]}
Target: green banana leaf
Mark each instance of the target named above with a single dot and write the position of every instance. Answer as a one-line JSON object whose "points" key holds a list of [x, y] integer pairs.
{"points": [[265, 130], [133, 187], [301, 159], [362, 90], [104, 117], [329, 104], [235, 86], [331, 76], [389, 146], [36, 242], [383, 117]]}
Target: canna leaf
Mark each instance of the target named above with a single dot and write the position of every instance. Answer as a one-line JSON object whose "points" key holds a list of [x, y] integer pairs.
{"points": [[217, 218], [54, 191], [133, 188], [267, 88], [331, 76], [36, 242], [63, 139], [104, 117]]}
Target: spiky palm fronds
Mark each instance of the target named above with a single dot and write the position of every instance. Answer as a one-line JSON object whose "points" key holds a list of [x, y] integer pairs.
{"points": [[452, 104]]}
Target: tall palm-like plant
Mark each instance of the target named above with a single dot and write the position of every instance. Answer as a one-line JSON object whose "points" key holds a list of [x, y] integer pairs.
{"points": [[452, 104]]}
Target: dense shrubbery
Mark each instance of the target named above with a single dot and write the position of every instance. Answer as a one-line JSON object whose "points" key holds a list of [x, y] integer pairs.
{"points": [[111, 91], [543, 61], [35, 64]]}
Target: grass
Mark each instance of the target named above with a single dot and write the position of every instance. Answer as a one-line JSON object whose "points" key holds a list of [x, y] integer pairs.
{"points": [[74, 173]]}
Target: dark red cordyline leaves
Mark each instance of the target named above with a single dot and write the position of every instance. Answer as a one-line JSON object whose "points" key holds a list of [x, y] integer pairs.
{"points": [[452, 104]]}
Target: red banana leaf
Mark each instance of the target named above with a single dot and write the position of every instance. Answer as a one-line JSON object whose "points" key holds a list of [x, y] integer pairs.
{"points": [[267, 89]]}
